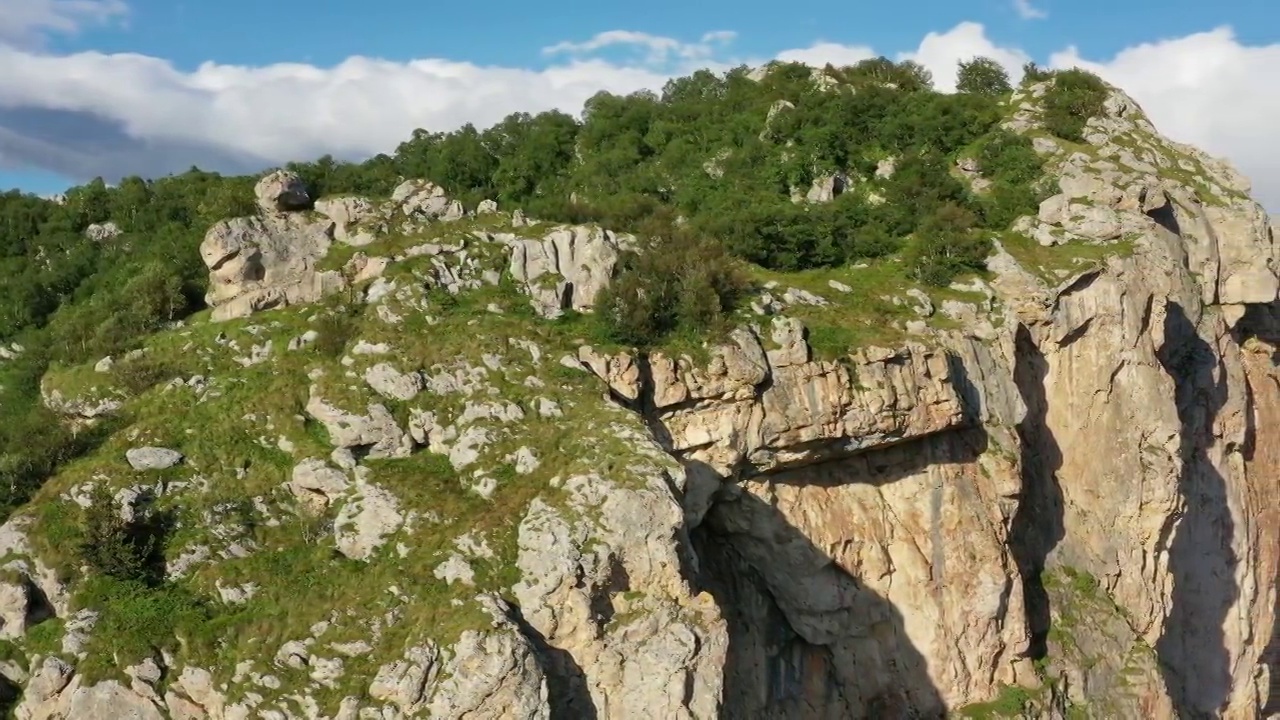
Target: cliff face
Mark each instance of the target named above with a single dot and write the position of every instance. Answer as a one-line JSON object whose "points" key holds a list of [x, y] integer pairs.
{"points": [[1059, 501]]}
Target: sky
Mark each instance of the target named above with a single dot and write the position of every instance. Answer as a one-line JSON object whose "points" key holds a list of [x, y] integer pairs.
{"points": [[149, 87]]}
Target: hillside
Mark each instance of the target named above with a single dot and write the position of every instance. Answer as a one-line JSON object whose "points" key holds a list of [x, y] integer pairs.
{"points": [[783, 393]]}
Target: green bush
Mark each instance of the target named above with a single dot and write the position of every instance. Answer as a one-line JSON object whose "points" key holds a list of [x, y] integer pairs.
{"points": [[983, 76], [682, 282], [336, 330], [138, 374], [1075, 97], [112, 546], [946, 245], [136, 620]]}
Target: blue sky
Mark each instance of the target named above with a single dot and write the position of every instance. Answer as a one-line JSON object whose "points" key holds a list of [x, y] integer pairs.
{"points": [[510, 32], [214, 103]]}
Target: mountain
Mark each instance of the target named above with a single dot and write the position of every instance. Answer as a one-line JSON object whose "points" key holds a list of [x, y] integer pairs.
{"points": [[784, 393]]}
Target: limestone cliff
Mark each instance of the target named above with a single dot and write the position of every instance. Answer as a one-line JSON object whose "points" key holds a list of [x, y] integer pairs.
{"points": [[1054, 497]]}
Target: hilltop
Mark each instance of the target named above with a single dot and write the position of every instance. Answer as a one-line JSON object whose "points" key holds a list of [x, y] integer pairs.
{"points": [[791, 392]]}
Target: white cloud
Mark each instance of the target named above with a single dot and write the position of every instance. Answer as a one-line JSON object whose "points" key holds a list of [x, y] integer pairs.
{"points": [[661, 49], [1027, 11], [114, 114], [25, 22], [1208, 90], [819, 54], [941, 53]]}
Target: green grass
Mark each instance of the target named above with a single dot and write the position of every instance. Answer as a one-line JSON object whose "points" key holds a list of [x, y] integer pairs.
{"points": [[1053, 264], [866, 315], [1010, 703], [302, 578]]}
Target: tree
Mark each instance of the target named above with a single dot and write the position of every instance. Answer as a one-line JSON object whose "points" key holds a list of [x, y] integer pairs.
{"points": [[110, 545], [983, 76]]}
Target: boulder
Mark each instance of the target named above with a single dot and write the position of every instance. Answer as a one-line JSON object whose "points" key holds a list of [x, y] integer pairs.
{"points": [[261, 263], [153, 458], [281, 191]]}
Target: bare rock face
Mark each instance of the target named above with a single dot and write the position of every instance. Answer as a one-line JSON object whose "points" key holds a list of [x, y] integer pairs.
{"points": [[665, 658], [568, 268], [266, 262], [356, 221], [281, 191]]}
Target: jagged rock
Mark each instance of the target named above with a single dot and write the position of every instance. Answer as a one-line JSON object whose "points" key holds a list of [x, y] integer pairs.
{"points": [[667, 662], [281, 191], [152, 458], [404, 683], [355, 220], [620, 371], [83, 408], [421, 198], [487, 207], [827, 188], [492, 675], [376, 430], [261, 263], [568, 268], [366, 521], [389, 382], [316, 485], [361, 267]]}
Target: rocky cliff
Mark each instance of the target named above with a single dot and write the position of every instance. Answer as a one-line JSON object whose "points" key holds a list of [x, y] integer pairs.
{"points": [[396, 481]]}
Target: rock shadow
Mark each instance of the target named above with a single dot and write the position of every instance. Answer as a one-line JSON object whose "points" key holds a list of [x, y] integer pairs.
{"points": [[1192, 650], [568, 694], [1263, 322], [807, 639], [1038, 524]]}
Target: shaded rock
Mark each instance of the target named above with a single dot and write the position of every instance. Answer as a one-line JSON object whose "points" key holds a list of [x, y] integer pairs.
{"points": [[281, 191]]}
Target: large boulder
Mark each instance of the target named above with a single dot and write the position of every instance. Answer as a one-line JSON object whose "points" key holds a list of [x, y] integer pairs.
{"points": [[568, 268], [257, 263], [281, 191], [355, 220]]}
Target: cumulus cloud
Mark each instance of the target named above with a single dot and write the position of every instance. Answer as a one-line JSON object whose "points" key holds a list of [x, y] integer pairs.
{"points": [[660, 49], [25, 23], [89, 113], [941, 53], [1027, 11], [1208, 90], [822, 53]]}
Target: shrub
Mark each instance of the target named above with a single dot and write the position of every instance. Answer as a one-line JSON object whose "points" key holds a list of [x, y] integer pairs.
{"points": [[982, 76], [112, 546], [678, 281], [335, 331], [138, 374], [946, 245], [1076, 96]]}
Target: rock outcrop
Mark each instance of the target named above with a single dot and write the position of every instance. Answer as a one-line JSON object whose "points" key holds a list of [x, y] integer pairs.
{"points": [[568, 268], [257, 263]]}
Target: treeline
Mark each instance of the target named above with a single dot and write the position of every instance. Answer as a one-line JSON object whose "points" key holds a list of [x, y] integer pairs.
{"points": [[708, 166]]}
